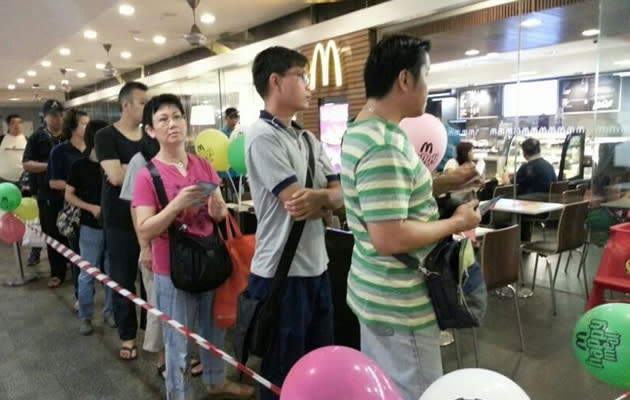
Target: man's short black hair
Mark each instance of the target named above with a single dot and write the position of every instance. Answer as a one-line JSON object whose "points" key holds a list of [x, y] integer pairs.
{"points": [[231, 112], [390, 56], [127, 90], [277, 60], [530, 147], [155, 103], [10, 117], [92, 127]]}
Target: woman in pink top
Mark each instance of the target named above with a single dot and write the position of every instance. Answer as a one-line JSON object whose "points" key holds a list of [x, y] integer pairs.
{"points": [[181, 173]]}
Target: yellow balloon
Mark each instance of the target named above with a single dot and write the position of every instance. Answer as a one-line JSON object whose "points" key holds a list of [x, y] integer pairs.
{"points": [[27, 210], [212, 145]]}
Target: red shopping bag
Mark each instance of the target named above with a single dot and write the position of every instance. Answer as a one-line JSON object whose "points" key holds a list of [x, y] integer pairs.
{"points": [[241, 248]]}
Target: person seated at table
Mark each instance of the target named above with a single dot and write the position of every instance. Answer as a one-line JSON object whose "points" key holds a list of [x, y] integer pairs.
{"points": [[534, 178], [463, 156]]}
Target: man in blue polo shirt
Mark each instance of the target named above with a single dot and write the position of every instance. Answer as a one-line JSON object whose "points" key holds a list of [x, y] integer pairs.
{"points": [[277, 152]]}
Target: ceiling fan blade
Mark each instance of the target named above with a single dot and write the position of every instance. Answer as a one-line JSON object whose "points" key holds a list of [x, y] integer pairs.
{"points": [[193, 3]]}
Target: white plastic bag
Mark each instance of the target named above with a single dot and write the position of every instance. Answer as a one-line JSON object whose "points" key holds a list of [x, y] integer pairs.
{"points": [[32, 239]]}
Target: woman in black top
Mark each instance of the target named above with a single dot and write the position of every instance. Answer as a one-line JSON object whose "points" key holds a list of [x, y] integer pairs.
{"points": [[83, 190]]}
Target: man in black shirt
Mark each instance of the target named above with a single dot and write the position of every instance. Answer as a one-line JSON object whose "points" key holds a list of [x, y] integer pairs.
{"points": [[115, 145], [35, 161], [534, 178]]}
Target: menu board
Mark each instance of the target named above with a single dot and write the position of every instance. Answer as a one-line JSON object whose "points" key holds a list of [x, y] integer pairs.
{"points": [[332, 125], [479, 103], [578, 94]]}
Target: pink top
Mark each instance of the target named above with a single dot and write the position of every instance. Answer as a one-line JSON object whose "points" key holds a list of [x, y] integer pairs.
{"points": [[196, 218]]}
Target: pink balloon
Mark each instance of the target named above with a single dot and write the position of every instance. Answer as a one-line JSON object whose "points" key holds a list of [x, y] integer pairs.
{"points": [[339, 373], [427, 135], [11, 229]]}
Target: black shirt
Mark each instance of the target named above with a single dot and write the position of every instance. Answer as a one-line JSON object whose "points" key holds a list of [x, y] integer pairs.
{"points": [[62, 156], [85, 178], [111, 144], [534, 179], [38, 148]]}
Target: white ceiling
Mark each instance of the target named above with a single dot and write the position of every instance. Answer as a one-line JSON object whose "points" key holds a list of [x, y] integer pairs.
{"points": [[52, 25]]}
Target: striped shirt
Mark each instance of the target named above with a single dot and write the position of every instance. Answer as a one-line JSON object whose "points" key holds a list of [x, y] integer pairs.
{"points": [[383, 179]]}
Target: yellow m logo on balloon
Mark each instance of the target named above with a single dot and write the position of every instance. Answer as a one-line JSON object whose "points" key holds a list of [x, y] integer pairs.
{"points": [[321, 55]]}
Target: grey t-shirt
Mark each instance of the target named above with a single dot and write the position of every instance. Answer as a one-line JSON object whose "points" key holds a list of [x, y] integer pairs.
{"points": [[136, 163], [276, 157]]}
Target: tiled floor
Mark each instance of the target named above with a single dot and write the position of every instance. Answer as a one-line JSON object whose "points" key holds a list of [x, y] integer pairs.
{"points": [[42, 356]]}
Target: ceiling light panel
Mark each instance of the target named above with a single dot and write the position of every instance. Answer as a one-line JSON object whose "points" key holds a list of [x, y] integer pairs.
{"points": [[126, 10], [125, 54], [208, 18], [46, 63], [64, 51], [90, 34]]}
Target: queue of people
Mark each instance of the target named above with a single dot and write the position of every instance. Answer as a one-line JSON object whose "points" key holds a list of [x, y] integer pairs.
{"points": [[108, 173]]}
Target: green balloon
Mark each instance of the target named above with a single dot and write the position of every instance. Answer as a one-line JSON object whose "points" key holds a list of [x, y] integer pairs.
{"points": [[236, 154], [601, 340], [10, 196]]}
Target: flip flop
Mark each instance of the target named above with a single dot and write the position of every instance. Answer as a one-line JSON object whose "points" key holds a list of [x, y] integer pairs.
{"points": [[193, 364], [232, 390], [131, 351], [161, 370], [54, 282]]}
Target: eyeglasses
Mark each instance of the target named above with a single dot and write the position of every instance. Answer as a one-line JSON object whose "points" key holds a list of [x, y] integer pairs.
{"points": [[303, 75], [165, 120]]}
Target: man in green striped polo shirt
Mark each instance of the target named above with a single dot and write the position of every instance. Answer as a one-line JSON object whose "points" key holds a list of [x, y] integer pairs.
{"points": [[388, 194]]}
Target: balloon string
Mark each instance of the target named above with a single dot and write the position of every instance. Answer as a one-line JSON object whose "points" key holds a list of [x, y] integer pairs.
{"points": [[623, 396]]}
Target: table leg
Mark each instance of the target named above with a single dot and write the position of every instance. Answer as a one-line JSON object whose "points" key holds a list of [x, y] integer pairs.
{"points": [[522, 292]]}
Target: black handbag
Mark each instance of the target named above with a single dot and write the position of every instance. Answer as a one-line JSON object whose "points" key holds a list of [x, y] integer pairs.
{"points": [[198, 264], [257, 319]]}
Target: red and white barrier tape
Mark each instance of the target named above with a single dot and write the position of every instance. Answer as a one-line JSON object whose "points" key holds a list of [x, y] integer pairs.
{"points": [[106, 280]]}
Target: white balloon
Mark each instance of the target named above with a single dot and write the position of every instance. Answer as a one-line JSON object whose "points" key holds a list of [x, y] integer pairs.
{"points": [[474, 383]]}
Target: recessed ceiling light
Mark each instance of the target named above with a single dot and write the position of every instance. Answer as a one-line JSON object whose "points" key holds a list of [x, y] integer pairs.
{"points": [[622, 62], [31, 73], [64, 51], [492, 54], [125, 54], [531, 22], [65, 81], [52, 87], [89, 34], [472, 52], [20, 80], [46, 63], [14, 99], [208, 18], [100, 66], [590, 32], [126, 10], [11, 86], [159, 39], [81, 75]]}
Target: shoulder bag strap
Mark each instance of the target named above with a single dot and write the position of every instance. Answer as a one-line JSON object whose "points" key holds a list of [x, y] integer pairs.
{"points": [[288, 253], [159, 185]]}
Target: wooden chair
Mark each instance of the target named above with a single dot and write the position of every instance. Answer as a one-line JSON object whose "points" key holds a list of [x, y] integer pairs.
{"points": [[571, 235], [500, 219], [555, 196]]}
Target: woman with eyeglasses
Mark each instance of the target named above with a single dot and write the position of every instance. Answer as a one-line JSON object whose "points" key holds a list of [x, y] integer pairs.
{"points": [[183, 176]]}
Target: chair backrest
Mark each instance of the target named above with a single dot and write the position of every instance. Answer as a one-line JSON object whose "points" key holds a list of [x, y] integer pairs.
{"points": [[614, 262], [556, 189], [506, 191], [499, 257], [573, 196], [571, 231], [584, 186]]}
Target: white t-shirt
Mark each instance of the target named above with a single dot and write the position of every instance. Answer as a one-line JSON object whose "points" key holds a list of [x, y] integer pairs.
{"points": [[451, 164], [11, 151]]}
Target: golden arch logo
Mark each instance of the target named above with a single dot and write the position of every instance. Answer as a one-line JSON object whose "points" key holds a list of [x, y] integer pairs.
{"points": [[321, 56]]}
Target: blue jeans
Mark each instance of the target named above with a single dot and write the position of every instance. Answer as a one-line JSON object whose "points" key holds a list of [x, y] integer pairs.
{"points": [[92, 248], [411, 358], [187, 308], [305, 323]]}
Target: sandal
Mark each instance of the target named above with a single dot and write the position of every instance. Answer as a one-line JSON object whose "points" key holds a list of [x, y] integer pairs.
{"points": [[232, 390], [54, 282], [194, 364], [132, 352], [161, 370]]}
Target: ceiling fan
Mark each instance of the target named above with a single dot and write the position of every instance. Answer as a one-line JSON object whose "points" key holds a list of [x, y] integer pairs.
{"points": [[109, 71], [194, 37]]}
